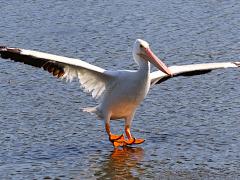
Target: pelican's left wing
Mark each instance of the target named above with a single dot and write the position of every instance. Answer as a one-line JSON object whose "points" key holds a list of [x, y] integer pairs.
{"points": [[190, 70], [92, 78]]}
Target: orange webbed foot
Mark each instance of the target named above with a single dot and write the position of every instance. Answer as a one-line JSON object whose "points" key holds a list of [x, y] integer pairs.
{"points": [[127, 142], [123, 142], [131, 140], [134, 141], [114, 137], [119, 141], [139, 141]]}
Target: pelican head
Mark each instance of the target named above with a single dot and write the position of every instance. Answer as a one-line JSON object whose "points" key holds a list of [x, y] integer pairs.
{"points": [[142, 53]]}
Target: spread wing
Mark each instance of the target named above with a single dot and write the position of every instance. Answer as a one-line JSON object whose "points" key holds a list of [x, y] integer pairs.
{"points": [[190, 70], [93, 79]]}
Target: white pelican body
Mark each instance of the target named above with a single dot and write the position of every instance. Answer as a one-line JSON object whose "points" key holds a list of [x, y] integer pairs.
{"points": [[126, 92], [121, 91]]}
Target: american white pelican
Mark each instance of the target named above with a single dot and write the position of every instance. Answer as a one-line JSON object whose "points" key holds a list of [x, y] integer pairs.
{"points": [[121, 91]]}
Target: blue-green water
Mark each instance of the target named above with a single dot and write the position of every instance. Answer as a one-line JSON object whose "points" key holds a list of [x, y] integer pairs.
{"points": [[191, 125]]}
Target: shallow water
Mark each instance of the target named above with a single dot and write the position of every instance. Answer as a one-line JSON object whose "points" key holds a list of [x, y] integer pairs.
{"points": [[191, 125]]}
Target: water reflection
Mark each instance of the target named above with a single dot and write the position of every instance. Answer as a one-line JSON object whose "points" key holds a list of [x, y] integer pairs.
{"points": [[123, 163]]}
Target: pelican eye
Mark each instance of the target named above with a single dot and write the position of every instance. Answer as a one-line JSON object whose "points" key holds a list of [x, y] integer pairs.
{"points": [[141, 46]]}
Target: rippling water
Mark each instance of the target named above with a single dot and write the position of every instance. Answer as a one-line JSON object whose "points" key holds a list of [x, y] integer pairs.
{"points": [[191, 125]]}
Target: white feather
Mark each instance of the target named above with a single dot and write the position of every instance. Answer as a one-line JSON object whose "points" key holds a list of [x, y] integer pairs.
{"points": [[178, 70], [91, 82], [93, 79]]}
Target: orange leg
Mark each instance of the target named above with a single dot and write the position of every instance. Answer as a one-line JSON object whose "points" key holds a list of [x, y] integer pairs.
{"points": [[131, 139], [117, 140]]}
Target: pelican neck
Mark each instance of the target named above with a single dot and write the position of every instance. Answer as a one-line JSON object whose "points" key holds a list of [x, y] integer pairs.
{"points": [[144, 66]]}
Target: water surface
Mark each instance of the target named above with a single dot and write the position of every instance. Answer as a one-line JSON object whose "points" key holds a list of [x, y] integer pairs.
{"points": [[191, 125]]}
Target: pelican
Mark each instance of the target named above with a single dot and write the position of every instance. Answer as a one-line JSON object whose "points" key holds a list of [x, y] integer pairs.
{"points": [[119, 92]]}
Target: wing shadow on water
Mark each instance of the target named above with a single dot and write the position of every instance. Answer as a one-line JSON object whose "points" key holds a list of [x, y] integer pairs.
{"points": [[123, 164]]}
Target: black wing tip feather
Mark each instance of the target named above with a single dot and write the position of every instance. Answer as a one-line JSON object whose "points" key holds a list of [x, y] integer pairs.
{"points": [[15, 54], [9, 53], [186, 74], [12, 50], [6, 52], [237, 64], [2, 47], [192, 73]]}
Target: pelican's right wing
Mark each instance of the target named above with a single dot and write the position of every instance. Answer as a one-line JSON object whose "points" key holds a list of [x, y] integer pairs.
{"points": [[190, 70], [92, 78]]}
